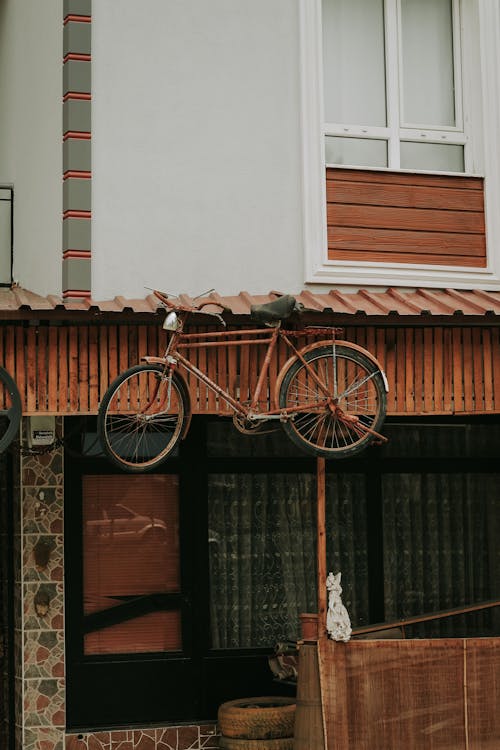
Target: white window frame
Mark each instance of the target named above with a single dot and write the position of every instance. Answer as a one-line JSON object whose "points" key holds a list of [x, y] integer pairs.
{"points": [[482, 29], [6, 230]]}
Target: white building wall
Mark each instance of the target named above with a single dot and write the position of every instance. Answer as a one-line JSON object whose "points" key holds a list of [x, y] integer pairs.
{"points": [[30, 136], [196, 147]]}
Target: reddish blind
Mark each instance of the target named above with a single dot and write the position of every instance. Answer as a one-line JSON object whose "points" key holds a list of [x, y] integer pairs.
{"points": [[131, 550]]}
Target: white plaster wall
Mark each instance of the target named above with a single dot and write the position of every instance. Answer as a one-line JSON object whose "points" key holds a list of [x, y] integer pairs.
{"points": [[30, 136], [196, 147]]}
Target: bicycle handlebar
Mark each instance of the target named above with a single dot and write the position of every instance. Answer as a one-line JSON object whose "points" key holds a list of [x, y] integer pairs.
{"points": [[193, 309], [163, 297]]}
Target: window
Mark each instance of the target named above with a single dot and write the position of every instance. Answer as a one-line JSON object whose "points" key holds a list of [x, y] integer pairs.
{"points": [[393, 85], [400, 86], [179, 583], [262, 556], [6, 196], [131, 570], [128, 626], [161, 567]]}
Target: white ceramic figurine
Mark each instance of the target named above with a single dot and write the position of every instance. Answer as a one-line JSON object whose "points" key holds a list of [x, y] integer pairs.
{"points": [[338, 623]]}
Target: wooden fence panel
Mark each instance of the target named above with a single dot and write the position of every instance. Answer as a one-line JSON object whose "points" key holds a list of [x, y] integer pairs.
{"points": [[93, 371], [431, 370], [483, 688], [413, 694], [62, 370], [30, 396]]}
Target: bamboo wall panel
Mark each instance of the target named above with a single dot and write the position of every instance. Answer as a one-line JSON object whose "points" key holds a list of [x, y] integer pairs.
{"points": [[431, 370], [413, 694], [483, 675], [394, 217]]}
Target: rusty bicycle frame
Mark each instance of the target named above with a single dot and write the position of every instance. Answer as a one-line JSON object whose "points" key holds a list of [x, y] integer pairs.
{"points": [[180, 341]]}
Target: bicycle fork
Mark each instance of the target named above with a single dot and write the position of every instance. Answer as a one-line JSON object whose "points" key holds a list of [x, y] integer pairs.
{"points": [[166, 397]]}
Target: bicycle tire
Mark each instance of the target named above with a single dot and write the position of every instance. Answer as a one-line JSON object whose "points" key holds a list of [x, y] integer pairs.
{"points": [[136, 432], [10, 409], [354, 382]]}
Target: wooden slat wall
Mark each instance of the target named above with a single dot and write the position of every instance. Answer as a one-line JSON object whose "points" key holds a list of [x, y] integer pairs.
{"points": [[431, 370], [396, 217], [413, 694]]}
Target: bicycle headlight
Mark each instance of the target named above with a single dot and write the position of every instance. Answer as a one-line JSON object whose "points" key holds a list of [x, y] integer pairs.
{"points": [[171, 322]]}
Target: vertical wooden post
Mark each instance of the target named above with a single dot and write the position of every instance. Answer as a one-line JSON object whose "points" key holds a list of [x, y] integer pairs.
{"points": [[309, 729], [321, 545]]}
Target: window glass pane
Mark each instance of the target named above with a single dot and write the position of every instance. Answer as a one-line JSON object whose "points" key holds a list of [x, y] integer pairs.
{"points": [[262, 557], [354, 61], [427, 52], [436, 157], [362, 152], [346, 541], [440, 441], [157, 631], [130, 551], [441, 550], [262, 546], [223, 439], [5, 238], [90, 445]]}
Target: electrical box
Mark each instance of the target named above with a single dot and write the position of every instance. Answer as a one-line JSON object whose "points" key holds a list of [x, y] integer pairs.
{"points": [[41, 431]]}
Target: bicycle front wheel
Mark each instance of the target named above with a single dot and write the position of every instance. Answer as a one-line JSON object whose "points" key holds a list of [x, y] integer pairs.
{"points": [[10, 409], [142, 417], [339, 417]]}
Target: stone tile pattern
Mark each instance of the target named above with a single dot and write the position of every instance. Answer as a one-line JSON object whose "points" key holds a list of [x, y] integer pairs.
{"points": [[203, 737], [5, 643], [39, 620]]}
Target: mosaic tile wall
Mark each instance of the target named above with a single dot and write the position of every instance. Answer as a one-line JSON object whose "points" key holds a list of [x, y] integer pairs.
{"points": [[166, 738], [5, 605], [4, 644], [40, 617], [39, 626]]}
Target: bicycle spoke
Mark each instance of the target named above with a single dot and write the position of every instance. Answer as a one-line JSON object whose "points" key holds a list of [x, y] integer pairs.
{"points": [[141, 417], [357, 384]]}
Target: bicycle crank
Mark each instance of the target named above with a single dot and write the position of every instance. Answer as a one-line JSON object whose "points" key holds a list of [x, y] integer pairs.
{"points": [[252, 427]]}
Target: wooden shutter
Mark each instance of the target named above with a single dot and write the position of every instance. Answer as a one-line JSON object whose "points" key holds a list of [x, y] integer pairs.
{"points": [[395, 217]]}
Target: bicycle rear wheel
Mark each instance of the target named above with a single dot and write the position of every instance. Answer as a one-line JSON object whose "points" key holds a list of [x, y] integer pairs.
{"points": [[10, 409], [356, 392], [142, 417]]}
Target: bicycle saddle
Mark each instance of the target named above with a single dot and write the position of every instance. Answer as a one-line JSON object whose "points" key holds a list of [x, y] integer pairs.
{"points": [[271, 313]]}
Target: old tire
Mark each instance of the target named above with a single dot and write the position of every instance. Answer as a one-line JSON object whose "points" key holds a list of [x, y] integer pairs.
{"points": [[267, 717], [230, 743]]}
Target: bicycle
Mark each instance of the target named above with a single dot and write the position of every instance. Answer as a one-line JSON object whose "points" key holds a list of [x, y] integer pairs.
{"points": [[330, 396], [10, 409]]}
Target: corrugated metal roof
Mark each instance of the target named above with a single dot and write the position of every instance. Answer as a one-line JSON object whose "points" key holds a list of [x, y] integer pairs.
{"points": [[393, 302]]}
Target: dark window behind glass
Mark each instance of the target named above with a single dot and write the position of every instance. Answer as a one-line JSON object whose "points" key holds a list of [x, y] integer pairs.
{"points": [[179, 583], [130, 551], [262, 557]]}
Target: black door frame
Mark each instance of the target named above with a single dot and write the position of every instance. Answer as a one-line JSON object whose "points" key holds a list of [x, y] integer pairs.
{"points": [[7, 594]]}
